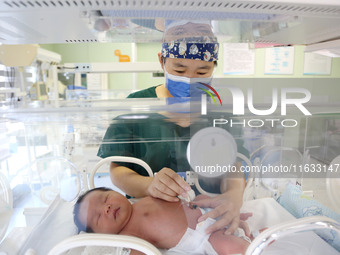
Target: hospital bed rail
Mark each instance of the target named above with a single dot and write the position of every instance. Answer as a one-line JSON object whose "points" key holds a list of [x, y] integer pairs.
{"points": [[142, 163], [117, 159], [105, 240]]}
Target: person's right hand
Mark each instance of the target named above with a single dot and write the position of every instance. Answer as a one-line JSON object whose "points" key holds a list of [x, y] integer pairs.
{"points": [[167, 185]]}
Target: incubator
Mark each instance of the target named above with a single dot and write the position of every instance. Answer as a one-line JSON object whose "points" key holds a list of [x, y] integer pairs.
{"points": [[52, 157], [59, 136]]}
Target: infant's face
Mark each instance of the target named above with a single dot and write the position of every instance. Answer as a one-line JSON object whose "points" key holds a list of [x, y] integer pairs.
{"points": [[105, 211]]}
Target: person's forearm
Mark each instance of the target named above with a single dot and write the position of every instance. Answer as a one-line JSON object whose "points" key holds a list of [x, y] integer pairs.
{"points": [[233, 188], [130, 182], [233, 182]]}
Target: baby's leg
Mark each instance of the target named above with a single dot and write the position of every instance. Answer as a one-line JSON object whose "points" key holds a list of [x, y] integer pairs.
{"points": [[227, 244]]}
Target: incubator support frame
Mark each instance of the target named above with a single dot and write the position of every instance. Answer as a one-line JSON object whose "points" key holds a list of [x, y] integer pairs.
{"points": [[105, 240], [249, 182], [118, 159], [256, 179], [7, 198], [193, 176], [299, 225]]}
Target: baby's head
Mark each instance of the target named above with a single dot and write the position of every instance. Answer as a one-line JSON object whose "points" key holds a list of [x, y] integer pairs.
{"points": [[102, 210]]}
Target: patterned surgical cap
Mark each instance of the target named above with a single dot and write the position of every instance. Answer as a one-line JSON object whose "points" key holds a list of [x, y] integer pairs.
{"points": [[199, 49]]}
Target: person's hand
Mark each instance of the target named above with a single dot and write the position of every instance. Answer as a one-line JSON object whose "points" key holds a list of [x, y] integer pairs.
{"points": [[167, 185], [243, 224], [226, 211]]}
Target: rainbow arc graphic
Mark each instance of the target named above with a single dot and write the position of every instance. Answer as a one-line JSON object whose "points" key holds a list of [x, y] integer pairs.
{"points": [[210, 94]]}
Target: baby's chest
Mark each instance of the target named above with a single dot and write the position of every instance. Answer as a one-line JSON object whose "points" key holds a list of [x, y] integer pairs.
{"points": [[163, 229], [156, 220]]}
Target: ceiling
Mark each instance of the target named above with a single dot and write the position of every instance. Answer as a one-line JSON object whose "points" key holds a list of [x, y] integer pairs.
{"points": [[76, 21]]}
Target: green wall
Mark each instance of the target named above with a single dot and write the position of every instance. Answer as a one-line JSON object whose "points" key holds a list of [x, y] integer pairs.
{"points": [[147, 52]]}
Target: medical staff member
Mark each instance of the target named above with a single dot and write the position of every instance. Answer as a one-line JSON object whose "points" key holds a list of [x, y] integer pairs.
{"points": [[181, 58]]}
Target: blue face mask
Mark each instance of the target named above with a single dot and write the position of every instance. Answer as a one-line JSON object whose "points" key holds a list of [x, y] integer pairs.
{"points": [[180, 86]]}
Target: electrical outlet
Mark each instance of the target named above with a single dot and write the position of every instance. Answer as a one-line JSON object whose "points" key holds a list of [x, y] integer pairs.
{"points": [[82, 67]]}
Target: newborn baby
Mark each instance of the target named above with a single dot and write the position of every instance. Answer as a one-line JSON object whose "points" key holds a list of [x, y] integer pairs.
{"points": [[167, 225]]}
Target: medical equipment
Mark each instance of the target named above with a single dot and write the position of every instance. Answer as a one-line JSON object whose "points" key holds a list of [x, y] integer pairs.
{"points": [[211, 147], [190, 195], [54, 176], [268, 22], [43, 130], [333, 184], [56, 221], [37, 129], [25, 55], [43, 169], [38, 91], [264, 206], [6, 205], [81, 241], [266, 213], [129, 242], [118, 159], [189, 198], [21, 56], [281, 156], [259, 245]]}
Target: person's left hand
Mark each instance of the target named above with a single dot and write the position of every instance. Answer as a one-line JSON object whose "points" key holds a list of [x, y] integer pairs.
{"points": [[226, 207]]}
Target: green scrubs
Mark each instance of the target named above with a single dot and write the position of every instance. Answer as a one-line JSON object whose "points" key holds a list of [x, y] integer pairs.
{"points": [[156, 139], [145, 93], [150, 138]]}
